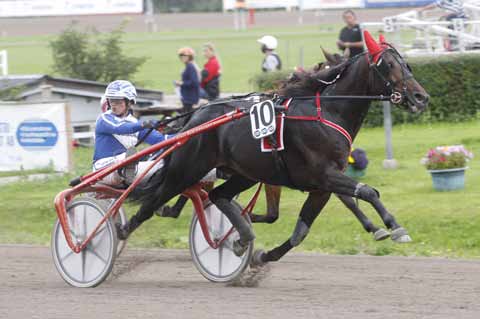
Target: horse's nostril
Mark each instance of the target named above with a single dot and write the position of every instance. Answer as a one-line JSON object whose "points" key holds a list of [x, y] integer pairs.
{"points": [[421, 98]]}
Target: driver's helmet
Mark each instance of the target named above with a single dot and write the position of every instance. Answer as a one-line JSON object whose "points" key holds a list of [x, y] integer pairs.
{"points": [[121, 89], [269, 42]]}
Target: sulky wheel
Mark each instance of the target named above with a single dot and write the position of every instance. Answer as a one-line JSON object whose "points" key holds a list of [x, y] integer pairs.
{"points": [[120, 218], [221, 264], [94, 263]]}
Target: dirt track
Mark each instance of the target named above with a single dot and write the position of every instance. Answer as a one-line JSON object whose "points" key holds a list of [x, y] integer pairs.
{"points": [[165, 284]]}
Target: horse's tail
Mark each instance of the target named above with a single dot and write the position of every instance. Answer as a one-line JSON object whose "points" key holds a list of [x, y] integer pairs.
{"points": [[148, 188]]}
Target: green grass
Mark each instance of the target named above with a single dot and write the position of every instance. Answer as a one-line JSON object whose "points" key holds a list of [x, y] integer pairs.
{"points": [[238, 51], [441, 224], [26, 172]]}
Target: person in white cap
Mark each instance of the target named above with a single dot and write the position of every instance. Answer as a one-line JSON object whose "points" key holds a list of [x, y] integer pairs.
{"points": [[272, 61]]}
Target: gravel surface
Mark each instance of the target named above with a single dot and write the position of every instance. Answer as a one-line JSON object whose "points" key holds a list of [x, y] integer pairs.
{"points": [[165, 284]]}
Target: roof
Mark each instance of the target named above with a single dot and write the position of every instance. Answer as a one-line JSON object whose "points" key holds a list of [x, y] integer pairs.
{"points": [[30, 85]]}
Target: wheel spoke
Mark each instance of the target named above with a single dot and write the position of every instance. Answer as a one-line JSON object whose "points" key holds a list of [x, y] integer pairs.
{"points": [[84, 261], [203, 251], [97, 255], [220, 260], [70, 253], [85, 220]]}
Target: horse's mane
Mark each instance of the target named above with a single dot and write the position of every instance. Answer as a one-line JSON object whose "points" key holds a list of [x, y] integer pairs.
{"points": [[309, 82]]}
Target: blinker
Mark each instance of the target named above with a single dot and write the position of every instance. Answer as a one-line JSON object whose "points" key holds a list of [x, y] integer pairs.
{"points": [[383, 67]]}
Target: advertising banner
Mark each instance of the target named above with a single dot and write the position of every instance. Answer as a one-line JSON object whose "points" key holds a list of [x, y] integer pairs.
{"points": [[34, 136], [396, 3], [34, 8]]}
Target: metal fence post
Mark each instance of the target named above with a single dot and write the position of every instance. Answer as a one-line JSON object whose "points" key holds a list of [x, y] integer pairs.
{"points": [[389, 162]]}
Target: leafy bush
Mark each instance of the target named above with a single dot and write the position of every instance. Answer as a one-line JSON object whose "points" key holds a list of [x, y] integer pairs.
{"points": [[268, 81], [452, 83], [90, 55]]}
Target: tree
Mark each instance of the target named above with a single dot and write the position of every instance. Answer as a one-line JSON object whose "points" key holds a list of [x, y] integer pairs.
{"points": [[90, 55]]}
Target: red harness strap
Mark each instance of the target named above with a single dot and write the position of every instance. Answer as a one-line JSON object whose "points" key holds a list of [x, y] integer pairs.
{"points": [[319, 118]]}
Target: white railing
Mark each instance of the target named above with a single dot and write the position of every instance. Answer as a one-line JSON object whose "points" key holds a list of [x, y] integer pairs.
{"points": [[430, 35], [4, 62]]}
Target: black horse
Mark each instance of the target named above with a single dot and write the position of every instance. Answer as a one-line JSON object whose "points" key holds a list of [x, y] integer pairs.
{"points": [[315, 154], [273, 192]]}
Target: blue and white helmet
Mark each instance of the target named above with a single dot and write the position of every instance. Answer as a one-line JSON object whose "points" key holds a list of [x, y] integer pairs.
{"points": [[121, 89]]}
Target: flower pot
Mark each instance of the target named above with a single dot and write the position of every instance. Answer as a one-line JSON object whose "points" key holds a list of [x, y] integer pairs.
{"points": [[448, 179], [354, 173]]}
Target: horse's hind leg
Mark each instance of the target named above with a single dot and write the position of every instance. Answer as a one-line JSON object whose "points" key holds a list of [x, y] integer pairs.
{"points": [[310, 210], [378, 233], [272, 194], [339, 183], [221, 196]]}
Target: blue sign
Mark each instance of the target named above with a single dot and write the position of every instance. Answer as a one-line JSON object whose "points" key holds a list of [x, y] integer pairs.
{"points": [[396, 3], [37, 133]]}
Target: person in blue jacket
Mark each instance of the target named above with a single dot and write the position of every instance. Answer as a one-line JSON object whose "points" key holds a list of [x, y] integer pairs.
{"points": [[117, 131], [190, 83]]}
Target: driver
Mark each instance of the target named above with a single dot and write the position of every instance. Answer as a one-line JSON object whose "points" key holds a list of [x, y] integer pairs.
{"points": [[117, 131]]}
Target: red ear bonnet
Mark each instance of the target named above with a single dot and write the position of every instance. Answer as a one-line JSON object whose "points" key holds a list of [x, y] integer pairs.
{"points": [[373, 47], [381, 39]]}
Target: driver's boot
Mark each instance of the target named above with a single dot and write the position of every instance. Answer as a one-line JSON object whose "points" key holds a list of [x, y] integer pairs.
{"points": [[129, 171]]}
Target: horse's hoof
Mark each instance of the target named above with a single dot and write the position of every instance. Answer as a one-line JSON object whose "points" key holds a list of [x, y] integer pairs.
{"points": [[381, 234], [122, 231], [257, 258], [239, 248], [400, 235]]}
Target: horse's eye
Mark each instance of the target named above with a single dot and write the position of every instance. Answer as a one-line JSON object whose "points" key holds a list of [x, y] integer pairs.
{"points": [[390, 65]]}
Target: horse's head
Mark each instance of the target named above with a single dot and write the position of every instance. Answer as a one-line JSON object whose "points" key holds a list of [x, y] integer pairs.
{"points": [[395, 75]]}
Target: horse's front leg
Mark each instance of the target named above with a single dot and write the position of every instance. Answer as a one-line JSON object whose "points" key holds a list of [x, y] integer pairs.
{"points": [[310, 210], [378, 233], [272, 194], [339, 183]]}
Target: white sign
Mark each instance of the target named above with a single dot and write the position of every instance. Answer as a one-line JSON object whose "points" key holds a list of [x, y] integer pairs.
{"points": [[33, 8], [330, 4], [34, 136], [262, 119]]}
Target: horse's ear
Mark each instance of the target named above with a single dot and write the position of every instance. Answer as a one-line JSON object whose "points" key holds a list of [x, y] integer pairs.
{"points": [[381, 39], [372, 46], [328, 56]]}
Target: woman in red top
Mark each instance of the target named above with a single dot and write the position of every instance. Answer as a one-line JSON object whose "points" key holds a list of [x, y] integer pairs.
{"points": [[210, 84]]}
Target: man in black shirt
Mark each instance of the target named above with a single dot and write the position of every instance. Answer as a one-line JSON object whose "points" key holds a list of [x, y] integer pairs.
{"points": [[350, 39]]}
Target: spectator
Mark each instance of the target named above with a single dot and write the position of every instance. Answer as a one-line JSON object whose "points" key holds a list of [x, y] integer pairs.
{"points": [[454, 10], [453, 7], [210, 84], [189, 85], [272, 61], [350, 38]]}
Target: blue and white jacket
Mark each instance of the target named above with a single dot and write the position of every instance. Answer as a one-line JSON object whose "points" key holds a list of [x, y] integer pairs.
{"points": [[113, 135]]}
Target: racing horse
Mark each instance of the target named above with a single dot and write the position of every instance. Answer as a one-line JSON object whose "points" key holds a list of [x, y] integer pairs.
{"points": [[318, 136], [273, 192]]}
